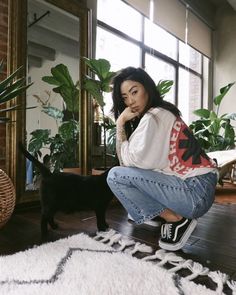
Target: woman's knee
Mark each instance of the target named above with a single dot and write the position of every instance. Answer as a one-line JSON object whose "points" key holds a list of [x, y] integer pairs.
{"points": [[118, 174], [112, 175]]}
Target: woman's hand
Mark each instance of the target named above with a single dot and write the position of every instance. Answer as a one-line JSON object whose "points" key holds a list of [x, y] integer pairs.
{"points": [[126, 116]]}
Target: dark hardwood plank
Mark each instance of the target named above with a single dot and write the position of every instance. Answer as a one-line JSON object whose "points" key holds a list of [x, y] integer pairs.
{"points": [[212, 243]]}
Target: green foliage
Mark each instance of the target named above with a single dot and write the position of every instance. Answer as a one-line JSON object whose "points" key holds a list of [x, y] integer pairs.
{"points": [[9, 89], [97, 86], [164, 86], [215, 132], [65, 86], [63, 147]]}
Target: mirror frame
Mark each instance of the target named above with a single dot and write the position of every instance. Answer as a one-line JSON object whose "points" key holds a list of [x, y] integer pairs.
{"points": [[17, 56]]}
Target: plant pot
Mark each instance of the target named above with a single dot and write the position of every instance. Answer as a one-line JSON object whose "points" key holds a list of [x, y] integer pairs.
{"points": [[7, 198]]}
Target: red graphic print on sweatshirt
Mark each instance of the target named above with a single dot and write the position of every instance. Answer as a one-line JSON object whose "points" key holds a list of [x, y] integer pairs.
{"points": [[185, 152]]}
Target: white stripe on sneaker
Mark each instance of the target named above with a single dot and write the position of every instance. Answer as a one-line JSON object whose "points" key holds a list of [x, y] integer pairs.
{"points": [[178, 227]]}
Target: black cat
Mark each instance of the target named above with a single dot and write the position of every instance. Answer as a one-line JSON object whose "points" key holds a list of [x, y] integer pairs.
{"points": [[68, 192]]}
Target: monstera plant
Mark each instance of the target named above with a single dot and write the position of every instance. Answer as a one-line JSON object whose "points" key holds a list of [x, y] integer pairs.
{"points": [[213, 131]]}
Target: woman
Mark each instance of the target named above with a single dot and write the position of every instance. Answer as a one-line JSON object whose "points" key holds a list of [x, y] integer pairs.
{"points": [[163, 171]]}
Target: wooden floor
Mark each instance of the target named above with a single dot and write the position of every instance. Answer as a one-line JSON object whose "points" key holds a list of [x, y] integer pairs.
{"points": [[213, 242]]}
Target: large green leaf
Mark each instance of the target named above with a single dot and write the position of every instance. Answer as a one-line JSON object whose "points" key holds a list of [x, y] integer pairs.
{"points": [[94, 88], [53, 112], [69, 130], [100, 67], [9, 79], [71, 97], [106, 83], [229, 133], [213, 116], [39, 138], [65, 86], [61, 74], [203, 113], [51, 80], [164, 86], [223, 91]]}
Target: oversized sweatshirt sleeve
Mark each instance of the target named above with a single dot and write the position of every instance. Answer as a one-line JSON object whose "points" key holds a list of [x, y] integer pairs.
{"points": [[144, 148]]}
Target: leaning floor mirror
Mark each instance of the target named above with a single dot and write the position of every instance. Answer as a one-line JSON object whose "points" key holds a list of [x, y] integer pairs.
{"points": [[53, 125]]}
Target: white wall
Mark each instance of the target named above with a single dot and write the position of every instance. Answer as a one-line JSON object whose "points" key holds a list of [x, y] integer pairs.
{"points": [[225, 56]]}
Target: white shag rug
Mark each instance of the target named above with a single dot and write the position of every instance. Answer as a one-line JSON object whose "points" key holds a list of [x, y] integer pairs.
{"points": [[85, 266]]}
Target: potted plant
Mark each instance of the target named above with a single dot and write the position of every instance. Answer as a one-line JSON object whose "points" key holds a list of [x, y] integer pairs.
{"points": [[97, 85], [62, 148], [213, 131], [10, 87]]}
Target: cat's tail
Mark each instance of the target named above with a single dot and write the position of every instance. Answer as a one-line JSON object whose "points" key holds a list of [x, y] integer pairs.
{"points": [[44, 171]]}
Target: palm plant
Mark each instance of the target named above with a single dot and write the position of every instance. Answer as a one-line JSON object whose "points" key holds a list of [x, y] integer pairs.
{"points": [[9, 89]]}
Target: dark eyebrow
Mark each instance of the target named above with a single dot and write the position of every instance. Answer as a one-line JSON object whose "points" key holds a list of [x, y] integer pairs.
{"points": [[129, 89]]}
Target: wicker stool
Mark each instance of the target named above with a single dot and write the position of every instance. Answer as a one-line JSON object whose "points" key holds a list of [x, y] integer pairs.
{"points": [[7, 198]]}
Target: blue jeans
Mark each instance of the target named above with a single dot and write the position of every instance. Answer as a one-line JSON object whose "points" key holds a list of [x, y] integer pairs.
{"points": [[146, 193]]}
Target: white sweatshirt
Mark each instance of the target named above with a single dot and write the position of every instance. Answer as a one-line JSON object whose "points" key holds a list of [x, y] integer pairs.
{"points": [[164, 143]]}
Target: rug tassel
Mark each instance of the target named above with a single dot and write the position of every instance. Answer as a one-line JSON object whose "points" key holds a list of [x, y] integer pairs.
{"points": [[197, 270], [220, 279], [138, 247], [158, 255], [125, 242], [169, 257], [114, 239], [181, 264], [232, 286], [104, 235], [164, 257]]}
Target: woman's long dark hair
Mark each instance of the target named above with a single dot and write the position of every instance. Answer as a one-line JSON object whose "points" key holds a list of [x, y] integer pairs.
{"points": [[155, 100]]}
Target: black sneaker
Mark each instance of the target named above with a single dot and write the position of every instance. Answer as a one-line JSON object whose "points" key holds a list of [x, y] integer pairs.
{"points": [[174, 235]]}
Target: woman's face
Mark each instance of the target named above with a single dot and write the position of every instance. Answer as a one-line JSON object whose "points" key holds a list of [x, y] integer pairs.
{"points": [[134, 95]]}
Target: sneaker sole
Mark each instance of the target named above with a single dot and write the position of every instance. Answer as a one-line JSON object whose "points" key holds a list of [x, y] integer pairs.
{"points": [[182, 242], [152, 223]]}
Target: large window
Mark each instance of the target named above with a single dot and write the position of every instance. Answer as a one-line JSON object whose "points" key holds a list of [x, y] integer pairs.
{"points": [[128, 38]]}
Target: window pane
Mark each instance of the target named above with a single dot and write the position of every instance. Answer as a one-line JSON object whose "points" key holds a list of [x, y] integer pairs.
{"points": [[190, 57], [189, 96], [121, 16], [206, 67], [160, 40], [160, 70], [119, 52]]}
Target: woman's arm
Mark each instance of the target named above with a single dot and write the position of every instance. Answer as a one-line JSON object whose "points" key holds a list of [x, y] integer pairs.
{"points": [[125, 116]]}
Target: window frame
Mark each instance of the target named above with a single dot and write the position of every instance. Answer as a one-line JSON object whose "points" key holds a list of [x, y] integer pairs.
{"points": [[146, 49]]}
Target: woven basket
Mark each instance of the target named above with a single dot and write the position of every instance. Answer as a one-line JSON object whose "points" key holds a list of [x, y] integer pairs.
{"points": [[7, 198]]}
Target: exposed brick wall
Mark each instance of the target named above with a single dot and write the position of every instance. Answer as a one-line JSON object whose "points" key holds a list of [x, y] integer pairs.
{"points": [[3, 55]]}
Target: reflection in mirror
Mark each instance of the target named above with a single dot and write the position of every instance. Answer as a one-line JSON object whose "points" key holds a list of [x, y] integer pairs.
{"points": [[52, 50]]}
